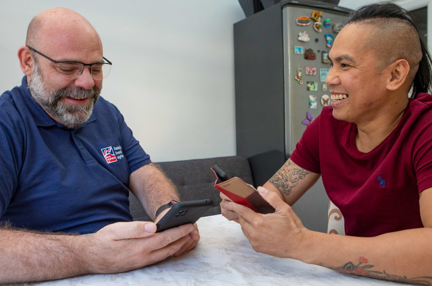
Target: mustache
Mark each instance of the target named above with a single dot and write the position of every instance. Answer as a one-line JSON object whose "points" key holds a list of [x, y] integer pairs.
{"points": [[75, 93]]}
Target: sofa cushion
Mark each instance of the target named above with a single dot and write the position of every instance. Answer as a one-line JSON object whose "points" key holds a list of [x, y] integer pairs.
{"points": [[194, 180]]}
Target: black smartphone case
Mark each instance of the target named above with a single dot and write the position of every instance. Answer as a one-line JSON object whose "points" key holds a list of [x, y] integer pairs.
{"points": [[184, 213]]}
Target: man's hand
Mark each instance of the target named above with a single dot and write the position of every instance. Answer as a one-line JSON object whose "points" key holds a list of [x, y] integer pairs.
{"points": [[226, 211], [126, 246], [194, 236], [278, 234]]}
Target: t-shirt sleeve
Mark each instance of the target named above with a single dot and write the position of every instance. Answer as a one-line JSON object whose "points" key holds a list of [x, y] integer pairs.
{"points": [[422, 156], [134, 153], [306, 153]]}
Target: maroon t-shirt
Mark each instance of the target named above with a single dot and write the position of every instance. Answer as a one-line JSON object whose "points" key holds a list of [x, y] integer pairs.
{"points": [[377, 192]]}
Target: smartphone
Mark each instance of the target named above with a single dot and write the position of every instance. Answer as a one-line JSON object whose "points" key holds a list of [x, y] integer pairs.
{"points": [[183, 213]]}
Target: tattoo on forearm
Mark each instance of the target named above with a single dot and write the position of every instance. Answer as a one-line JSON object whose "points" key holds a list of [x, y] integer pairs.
{"points": [[288, 177], [364, 269]]}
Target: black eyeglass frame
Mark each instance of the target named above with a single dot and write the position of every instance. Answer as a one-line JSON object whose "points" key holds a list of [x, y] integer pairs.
{"points": [[70, 62]]}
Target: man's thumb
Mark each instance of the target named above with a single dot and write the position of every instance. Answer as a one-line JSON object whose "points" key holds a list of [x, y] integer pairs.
{"points": [[274, 200]]}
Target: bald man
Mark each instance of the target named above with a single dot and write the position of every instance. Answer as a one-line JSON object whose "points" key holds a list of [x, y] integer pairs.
{"points": [[68, 162], [373, 149]]}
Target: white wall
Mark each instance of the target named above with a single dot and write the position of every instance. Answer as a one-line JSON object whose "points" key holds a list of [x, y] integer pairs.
{"points": [[173, 67]]}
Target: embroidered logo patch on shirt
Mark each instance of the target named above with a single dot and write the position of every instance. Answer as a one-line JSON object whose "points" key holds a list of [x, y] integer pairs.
{"points": [[109, 155], [381, 181]]}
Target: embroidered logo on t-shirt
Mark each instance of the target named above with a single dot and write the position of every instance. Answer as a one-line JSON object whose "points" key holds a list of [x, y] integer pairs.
{"points": [[381, 181], [109, 155]]}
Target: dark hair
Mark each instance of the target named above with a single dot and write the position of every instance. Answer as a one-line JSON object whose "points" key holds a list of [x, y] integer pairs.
{"points": [[422, 79]]}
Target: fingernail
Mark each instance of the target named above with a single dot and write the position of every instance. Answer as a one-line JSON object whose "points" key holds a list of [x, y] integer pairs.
{"points": [[262, 190], [150, 227], [191, 228]]}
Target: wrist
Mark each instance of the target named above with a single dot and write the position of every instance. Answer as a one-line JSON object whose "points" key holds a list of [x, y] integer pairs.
{"points": [[169, 205], [304, 249]]}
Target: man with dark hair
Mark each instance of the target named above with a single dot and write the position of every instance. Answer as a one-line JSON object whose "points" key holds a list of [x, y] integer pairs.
{"points": [[68, 162], [373, 149]]}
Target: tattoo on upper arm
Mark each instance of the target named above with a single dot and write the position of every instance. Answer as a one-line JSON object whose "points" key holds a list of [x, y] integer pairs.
{"points": [[362, 268], [288, 177]]}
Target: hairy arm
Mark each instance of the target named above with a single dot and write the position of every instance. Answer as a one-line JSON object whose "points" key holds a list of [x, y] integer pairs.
{"points": [[291, 182], [29, 256], [152, 188]]}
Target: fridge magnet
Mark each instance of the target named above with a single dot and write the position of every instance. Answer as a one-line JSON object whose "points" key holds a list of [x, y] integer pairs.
{"points": [[323, 74], [316, 15], [298, 50], [337, 27], [298, 77], [325, 100], [310, 70], [318, 27], [324, 87], [327, 23], [312, 86], [329, 40], [325, 58], [309, 54], [302, 21], [309, 119], [313, 102], [303, 37]]}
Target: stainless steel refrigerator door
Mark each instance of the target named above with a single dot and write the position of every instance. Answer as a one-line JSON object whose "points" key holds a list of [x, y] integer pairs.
{"points": [[312, 208]]}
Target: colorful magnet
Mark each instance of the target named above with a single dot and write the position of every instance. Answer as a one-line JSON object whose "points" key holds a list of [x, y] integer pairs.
{"points": [[316, 15], [324, 87], [303, 37], [327, 23], [309, 55], [312, 86], [337, 27], [310, 70], [318, 27], [309, 119], [302, 21], [329, 40], [325, 58], [298, 77], [325, 100], [313, 102], [323, 74], [298, 50]]}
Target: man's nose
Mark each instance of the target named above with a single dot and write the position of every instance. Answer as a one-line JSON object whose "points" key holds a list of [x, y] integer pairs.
{"points": [[85, 80], [332, 77]]}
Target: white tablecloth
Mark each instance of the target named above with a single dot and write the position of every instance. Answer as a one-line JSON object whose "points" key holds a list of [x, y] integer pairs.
{"points": [[224, 257]]}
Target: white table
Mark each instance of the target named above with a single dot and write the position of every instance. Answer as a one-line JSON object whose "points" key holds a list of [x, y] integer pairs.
{"points": [[224, 257]]}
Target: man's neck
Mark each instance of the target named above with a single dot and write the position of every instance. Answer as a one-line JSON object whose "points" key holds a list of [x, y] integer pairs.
{"points": [[370, 134]]}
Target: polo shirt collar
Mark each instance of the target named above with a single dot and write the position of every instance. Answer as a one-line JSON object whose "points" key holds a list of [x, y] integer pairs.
{"points": [[39, 115]]}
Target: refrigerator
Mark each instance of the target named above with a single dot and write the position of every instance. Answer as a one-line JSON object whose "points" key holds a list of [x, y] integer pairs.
{"points": [[281, 62]]}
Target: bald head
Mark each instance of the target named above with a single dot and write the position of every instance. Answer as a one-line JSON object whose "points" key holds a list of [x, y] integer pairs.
{"points": [[60, 27]]}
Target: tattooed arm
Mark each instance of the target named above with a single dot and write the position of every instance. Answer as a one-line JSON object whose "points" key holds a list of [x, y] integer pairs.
{"points": [[403, 256], [291, 182]]}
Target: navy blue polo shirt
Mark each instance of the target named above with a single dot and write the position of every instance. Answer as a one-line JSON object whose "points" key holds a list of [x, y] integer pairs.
{"points": [[59, 179]]}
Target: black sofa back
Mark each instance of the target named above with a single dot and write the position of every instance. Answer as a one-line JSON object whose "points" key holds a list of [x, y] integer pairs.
{"points": [[194, 180]]}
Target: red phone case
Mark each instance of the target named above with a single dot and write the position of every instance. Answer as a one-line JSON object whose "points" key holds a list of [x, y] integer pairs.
{"points": [[242, 193]]}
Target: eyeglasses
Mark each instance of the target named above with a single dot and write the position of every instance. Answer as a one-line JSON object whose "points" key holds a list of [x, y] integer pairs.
{"points": [[72, 70]]}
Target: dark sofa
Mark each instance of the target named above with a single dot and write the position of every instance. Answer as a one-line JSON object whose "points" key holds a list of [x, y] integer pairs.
{"points": [[194, 180]]}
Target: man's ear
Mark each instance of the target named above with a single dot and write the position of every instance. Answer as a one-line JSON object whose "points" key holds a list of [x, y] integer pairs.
{"points": [[25, 60], [399, 71]]}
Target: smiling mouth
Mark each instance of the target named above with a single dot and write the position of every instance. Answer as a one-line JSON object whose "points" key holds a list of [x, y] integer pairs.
{"points": [[339, 96]]}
